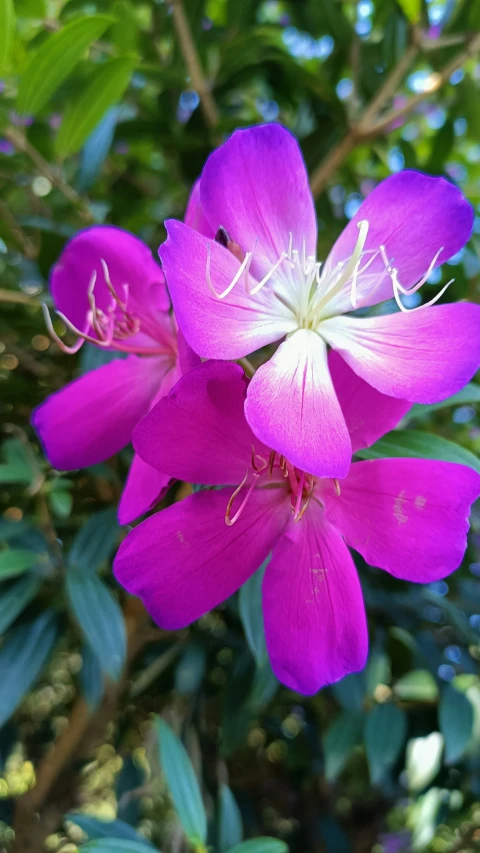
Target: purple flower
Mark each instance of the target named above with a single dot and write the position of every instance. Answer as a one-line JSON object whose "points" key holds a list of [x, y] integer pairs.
{"points": [[6, 147], [407, 516], [108, 289], [270, 288]]}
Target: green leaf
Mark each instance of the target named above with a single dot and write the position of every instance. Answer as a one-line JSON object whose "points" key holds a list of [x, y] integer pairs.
{"points": [[117, 845], [190, 669], [91, 678], [22, 659], [251, 614], [469, 394], [19, 467], [455, 716], [182, 783], [385, 732], [378, 671], [412, 9], [417, 686], [55, 60], [423, 445], [111, 829], [95, 541], [14, 600], [260, 845], [423, 760], [230, 826], [14, 562], [100, 619], [340, 740], [60, 502], [105, 88], [96, 149], [7, 32]]}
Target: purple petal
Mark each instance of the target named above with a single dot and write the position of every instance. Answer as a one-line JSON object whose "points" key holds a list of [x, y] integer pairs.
{"points": [[413, 216], [408, 516], [368, 413], [218, 328], [198, 433], [315, 623], [144, 488], [184, 560], [292, 407], [93, 417], [194, 215], [256, 187], [423, 356], [129, 262]]}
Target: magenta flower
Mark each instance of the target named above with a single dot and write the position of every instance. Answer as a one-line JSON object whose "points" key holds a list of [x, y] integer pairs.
{"points": [[407, 516], [263, 285], [109, 290]]}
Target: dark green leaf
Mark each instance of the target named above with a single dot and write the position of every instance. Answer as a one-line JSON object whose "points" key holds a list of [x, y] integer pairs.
{"points": [[95, 151], [91, 678], [100, 619], [56, 59], [190, 670], [116, 845], [22, 659], [385, 733], [422, 445], [455, 716], [230, 826], [251, 614], [469, 394], [95, 541], [14, 599], [260, 845], [105, 88], [340, 740], [14, 562], [182, 783]]}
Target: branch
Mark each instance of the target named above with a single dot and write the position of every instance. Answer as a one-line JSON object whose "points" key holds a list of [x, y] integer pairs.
{"points": [[17, 298], [192, 61], [21, 143], [373, 123]]}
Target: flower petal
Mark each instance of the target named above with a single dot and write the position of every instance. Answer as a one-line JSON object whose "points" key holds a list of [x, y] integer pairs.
{"points": [[129, 261], [198, 433], [194, 215], [408, 516], [315, 623], [92, 418], [413, 216], [144, 488], [184, 560], [256, 187], [423, 356], [368, 413], [218, 328], [292, 407]]}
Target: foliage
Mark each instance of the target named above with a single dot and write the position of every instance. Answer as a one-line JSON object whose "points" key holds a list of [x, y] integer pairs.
{"points": [[101, 121]]}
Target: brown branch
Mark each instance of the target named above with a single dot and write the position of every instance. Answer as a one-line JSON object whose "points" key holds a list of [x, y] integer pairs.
{"points": [[373, 123], [192, 61], [21, 143], [27, 245]]}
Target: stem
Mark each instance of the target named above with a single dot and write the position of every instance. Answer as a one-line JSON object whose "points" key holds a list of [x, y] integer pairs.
{"points": [[192, 61], [17, 298], [247, 366], [21, 143], [373, 123]]}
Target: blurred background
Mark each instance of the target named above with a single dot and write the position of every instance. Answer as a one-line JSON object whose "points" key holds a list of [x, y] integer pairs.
{"points": [[111, 120]]}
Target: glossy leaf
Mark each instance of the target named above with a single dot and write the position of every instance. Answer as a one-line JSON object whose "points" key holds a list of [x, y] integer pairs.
{"points": [[423, 445], [455, 717], [100, 619], [105, 88], [56, 59], [417, 686], [251, 614], [7, 32], [385, 732], [340, 740], [469, 394], [230, 825], [22, 659], [182, 783]]}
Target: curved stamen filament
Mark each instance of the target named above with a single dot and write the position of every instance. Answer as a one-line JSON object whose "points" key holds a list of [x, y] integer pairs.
{"points": [[398, 288], [298, 502], [344, 275], [305, 505], [230, 521], [263, 462], [244, 268]]}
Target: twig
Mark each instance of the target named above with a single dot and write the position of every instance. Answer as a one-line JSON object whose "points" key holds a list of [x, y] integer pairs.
{"points": [[373, 123], [17, 298], [21, 143], [26, 243], [192, 61]]}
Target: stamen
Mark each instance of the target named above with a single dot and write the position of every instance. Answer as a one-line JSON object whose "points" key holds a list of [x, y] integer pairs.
{"points": [[336, 486], [106, 273], [244, 267], [51, 331], [299, 495], [305, 505], [271, 463], [231, 521], [263, 461], [348, 271], [398, 288], [268, 276]]}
